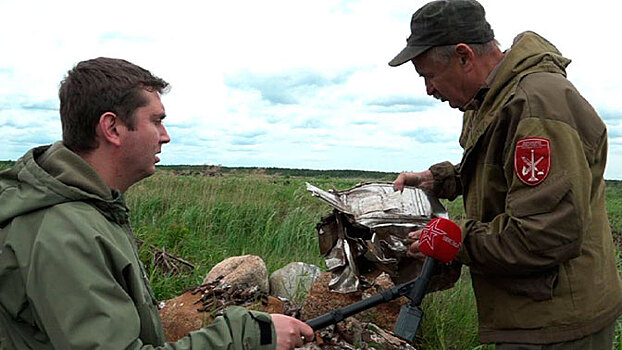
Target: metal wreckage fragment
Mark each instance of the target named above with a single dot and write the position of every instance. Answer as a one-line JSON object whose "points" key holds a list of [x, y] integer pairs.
{"points": [[366, 234]]}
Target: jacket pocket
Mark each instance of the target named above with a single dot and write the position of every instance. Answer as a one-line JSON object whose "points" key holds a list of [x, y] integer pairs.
{"points": [[540, 199], [538, 287], [551, 228], [549, 223]]}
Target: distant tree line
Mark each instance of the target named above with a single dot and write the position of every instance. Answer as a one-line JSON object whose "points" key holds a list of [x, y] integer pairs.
{"points": [[338, 173], [5, 164]]}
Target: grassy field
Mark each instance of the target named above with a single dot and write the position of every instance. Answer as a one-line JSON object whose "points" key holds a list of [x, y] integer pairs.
{"points": [[268, 212], [205, 219]]}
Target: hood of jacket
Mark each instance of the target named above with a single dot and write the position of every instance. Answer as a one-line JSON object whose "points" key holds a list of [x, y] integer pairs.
{"points": [[50, 175], [530, 53]]}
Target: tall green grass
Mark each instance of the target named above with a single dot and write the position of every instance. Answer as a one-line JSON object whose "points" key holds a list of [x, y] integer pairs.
{"points": [[206, 219]]}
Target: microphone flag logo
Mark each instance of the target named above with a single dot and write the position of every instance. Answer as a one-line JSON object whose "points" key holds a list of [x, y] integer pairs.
{"points": [[440, 239]]}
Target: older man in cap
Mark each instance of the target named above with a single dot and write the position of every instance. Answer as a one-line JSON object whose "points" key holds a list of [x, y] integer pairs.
{"points": [[536, 234]]}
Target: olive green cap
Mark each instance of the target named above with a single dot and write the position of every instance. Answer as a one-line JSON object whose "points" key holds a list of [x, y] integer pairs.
{"points": [[445, 22]]}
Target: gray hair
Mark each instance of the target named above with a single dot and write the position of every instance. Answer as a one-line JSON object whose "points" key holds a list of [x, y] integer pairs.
{"points": [[442, 54]]}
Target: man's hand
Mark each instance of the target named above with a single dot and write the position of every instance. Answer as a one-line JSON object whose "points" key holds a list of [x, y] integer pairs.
{"points": [[290, 332], [423, 180], [413, 249]]}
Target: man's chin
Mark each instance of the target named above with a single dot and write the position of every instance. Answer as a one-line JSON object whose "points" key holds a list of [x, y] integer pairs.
{"points": [[461, 107], [452, 105], [148, 172]]}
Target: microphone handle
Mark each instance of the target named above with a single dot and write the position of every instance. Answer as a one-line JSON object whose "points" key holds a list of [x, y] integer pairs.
{"points": [[414, 290], [342, 313], [427, 270], [411, 314]]}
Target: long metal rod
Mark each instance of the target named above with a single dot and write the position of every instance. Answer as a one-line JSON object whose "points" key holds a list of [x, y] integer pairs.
{"points": [[414, 290]]}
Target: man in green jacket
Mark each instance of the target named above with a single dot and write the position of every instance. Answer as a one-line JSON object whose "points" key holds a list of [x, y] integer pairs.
{"points": [[70, 276], [536, 235]]}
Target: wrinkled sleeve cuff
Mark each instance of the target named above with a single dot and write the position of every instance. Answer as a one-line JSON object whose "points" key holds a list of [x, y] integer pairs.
{"points": [[237, 329], [446, 181], [267, 333]]}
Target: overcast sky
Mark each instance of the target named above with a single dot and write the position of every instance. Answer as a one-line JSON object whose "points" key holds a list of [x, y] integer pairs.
{"points": [[301, 84]]}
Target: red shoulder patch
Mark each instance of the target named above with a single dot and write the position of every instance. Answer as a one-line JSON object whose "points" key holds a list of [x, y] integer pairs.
{"points": [[532, 160]]}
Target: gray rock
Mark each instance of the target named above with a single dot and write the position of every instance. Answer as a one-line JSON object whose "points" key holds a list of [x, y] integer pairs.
{"points": [[293, 281]]}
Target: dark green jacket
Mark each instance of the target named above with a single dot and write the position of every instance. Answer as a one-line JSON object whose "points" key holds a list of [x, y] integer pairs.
{"points": [[541, 256], [70, 277]]}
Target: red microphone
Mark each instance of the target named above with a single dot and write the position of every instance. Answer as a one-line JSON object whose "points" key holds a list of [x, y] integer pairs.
{"points": [[440, 239]]}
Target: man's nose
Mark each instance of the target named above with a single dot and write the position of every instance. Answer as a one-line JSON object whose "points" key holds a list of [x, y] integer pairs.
{"points": [[429, 88], [164, 136]]}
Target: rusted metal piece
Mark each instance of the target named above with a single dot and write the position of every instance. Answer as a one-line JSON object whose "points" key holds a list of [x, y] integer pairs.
{"points": [[367, 233], [216, 295]]}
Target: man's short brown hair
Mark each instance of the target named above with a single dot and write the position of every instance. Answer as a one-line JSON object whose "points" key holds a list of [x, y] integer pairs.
{"points": [[97, 86]]}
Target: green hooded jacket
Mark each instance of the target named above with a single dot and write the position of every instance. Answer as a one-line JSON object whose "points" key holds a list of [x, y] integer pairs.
{"points": [[70, 277], [541, 254]]}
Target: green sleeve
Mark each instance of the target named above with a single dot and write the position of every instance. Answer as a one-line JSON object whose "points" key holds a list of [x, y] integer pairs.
{"points": [[73, 285], [237, 329], [542, 225], [446, 180]]}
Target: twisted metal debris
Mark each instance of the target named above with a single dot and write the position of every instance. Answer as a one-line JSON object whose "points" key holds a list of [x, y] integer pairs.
{"points": [[367, 231]]}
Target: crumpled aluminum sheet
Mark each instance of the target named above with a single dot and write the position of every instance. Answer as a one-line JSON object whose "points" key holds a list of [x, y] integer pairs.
{"points": [[366, 234]]}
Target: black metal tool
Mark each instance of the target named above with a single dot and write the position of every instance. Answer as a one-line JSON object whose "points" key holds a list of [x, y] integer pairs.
{"points": [[410, 315]]}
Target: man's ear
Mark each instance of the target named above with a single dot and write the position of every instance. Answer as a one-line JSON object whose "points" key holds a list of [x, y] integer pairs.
{"points": [[465, 55], [108, 128]]}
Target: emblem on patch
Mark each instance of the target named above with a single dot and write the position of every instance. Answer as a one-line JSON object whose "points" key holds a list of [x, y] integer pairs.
{"points": [[532, 160]]}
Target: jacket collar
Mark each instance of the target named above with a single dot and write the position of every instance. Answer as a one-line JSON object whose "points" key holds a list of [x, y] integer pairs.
{"points": [[62, 175], [530, 53]]}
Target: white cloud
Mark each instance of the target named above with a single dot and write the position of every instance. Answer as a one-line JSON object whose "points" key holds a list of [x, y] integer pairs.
{"points": [[310, 78]]}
